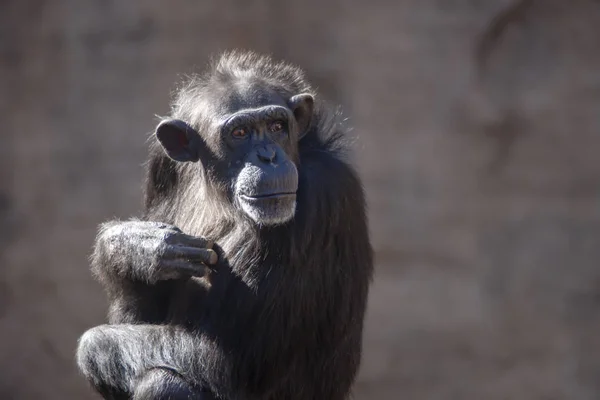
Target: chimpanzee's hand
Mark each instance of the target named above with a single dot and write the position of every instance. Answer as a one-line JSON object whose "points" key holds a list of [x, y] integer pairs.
{"points": [[150, 251]]}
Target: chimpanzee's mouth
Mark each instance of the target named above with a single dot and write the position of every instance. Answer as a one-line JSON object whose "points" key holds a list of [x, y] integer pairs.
{"points": [[268, 196]]}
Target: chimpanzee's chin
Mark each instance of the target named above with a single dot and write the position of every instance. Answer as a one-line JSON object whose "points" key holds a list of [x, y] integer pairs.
{"points": [[269, 211]]}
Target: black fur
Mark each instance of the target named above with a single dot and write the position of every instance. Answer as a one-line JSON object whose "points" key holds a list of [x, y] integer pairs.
{"points": [[281, 314]]}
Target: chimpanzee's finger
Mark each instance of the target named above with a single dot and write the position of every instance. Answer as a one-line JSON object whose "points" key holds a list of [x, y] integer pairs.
{"points": [[182, 267], [194, 241], [206, 256]]}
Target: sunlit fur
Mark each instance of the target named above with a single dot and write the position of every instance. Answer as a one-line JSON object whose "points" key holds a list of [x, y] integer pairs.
{"points": [[286, 79]]}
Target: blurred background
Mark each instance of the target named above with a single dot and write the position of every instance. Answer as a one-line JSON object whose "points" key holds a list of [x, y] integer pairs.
{"points": [[478, 125]]}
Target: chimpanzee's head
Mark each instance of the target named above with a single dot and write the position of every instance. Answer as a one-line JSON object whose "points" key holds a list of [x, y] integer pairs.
{"points": [[243, 123]]}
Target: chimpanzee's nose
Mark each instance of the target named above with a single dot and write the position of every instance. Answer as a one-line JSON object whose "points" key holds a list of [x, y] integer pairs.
{"points": [[266, 153]]}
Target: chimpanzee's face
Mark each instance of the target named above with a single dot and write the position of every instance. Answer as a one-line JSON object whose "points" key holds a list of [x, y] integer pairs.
{"points": [[250, 146]]}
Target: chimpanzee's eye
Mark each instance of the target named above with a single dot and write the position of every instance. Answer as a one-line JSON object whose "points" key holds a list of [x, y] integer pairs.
{"points": [[276, 126], [239, 133]]}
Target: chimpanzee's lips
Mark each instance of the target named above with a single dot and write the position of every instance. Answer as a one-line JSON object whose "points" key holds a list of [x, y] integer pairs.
{"points": [[268, 196]]}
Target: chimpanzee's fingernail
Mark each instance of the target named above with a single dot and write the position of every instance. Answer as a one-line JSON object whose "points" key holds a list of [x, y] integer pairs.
{"points": [[213, 257]]}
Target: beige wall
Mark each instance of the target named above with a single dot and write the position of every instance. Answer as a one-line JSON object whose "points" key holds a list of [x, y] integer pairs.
{"points": [[484, 189]]}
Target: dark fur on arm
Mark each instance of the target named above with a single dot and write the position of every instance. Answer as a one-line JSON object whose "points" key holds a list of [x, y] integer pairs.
{"points": [[128, 273]]}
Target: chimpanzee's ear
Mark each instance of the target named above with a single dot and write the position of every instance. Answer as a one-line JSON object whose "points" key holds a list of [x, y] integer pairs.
{"points": [[180, 141], [302, 106]]}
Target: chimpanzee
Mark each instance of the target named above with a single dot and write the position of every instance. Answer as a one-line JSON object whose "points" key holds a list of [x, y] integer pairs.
{"points": [[247, 276]]}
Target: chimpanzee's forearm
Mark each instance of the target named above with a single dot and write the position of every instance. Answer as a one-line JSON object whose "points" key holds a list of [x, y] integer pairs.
{"points": [[142, 263], [116, 358], [124, 267]]}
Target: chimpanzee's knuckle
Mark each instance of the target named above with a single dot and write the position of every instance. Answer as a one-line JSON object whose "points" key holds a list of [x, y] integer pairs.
{"points": [[170, 238]]}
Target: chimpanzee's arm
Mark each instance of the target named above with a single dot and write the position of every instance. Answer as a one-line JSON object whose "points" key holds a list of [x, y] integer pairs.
{"points": [[149, 361], [140, 263]]}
